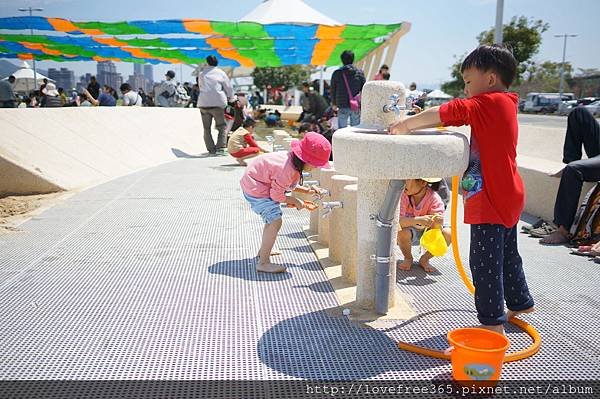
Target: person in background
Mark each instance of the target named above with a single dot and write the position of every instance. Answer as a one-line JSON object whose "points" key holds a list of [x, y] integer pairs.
{"points": [[93, 87], [7, 94], [34, 102], [304, 128], [83, 101], [144, 96], [314, 104], [165, 92], [130, 97], [583, 130], [241, 143], [194, 95], [346, 84], [382, 71], [52, 97], [105, 99], [63, 97], [417, 96], [42, 95], [215, 93]]}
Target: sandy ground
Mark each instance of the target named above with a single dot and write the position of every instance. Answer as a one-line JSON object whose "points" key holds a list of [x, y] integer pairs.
{"points": [[15, 210]]}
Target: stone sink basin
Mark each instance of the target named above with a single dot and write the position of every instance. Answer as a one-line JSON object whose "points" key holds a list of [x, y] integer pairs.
{"points": [[368, 153], [426, 153]]}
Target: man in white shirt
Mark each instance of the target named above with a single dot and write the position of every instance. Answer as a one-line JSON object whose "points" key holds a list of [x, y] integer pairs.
{"points": [[215, 91], [130, 98]]}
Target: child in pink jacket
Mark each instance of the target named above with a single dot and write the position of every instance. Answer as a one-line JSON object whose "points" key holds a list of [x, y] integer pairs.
{"points": [[266, 181]]}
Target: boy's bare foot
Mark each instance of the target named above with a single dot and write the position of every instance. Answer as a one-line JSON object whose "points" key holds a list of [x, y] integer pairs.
{"points": [[270, 268], [241, 162], [497, 328], [555, 238], [513, 313], [406, 264], [424, 263]]}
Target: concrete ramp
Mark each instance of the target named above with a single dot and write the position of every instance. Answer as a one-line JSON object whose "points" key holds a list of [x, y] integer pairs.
{"points": [[51, 149]]}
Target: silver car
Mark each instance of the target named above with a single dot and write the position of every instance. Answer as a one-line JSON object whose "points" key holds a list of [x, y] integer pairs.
{"points": [[594, 108]]}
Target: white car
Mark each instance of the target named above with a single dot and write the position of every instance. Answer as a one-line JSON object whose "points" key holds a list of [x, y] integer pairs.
{"points": [[594, 108]]}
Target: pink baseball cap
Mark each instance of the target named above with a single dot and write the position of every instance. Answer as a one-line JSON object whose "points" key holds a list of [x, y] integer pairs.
{"points": [[313, 149]]}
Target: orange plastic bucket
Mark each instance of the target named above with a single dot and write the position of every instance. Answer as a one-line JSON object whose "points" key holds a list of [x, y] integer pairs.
{"points": [[476, 354]]}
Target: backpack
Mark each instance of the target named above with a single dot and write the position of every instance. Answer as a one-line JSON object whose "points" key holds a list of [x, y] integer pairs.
{"points": [[181, 95], [586, 225]]}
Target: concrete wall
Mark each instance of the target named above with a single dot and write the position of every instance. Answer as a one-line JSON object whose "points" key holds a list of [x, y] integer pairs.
{"points": [[46, 150], [540, 188]]}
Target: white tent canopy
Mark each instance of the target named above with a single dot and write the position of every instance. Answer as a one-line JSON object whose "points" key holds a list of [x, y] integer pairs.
{"points": [[438, 94], [24, 82], [287, 11]]}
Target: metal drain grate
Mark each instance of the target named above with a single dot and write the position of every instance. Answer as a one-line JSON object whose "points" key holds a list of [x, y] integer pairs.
{"points": [[151, 277]]}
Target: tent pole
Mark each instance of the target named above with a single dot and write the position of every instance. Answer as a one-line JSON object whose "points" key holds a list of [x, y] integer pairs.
{"points": [[322, 82]]}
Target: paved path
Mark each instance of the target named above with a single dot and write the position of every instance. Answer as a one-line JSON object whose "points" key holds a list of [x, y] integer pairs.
{"points": [[150, 277]]}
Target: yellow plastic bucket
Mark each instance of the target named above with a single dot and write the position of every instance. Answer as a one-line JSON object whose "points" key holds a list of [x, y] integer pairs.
{"points": [[476, 354], [433, 241]]}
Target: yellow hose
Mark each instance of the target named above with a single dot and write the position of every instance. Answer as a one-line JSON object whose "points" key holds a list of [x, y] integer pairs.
{"points": [[528, 328]]}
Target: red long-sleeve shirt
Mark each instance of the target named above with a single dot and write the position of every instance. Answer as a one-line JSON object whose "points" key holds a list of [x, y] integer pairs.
{"points": [[494, 133]]}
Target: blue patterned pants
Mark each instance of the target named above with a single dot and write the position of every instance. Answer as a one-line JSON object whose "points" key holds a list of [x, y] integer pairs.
{"points": [[497, 270]]}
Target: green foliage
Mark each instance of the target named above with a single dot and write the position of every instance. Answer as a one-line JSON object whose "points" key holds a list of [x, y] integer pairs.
{"points": [[543, 77], [287, 76], [522, 35]]}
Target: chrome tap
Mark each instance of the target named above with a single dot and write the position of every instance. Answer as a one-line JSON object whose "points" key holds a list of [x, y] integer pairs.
{"points": [[328, 207], [393, 105]]}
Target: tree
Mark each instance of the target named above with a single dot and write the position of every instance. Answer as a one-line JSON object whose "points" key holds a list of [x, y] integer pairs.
{"points": [[543, 77], [286, 76], [521, 35]]}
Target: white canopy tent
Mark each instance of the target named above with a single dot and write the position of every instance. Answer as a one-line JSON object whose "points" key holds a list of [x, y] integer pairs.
{"points": [[24, 82], [437, 97], [287, 11], [438, 94]]}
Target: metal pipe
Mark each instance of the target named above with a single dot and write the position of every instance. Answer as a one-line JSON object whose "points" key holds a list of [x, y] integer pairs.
{"points": [[384, 222], [499, 17]]}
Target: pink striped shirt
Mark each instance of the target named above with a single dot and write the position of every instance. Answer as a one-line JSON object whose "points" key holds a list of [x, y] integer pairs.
{"points": [[430, 204], [270, 176]]}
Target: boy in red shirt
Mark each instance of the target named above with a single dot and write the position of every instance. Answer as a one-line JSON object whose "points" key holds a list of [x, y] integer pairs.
{"points": [[492, 188]]}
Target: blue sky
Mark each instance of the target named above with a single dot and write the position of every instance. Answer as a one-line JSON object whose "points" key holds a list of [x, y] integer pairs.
{"points": [[440, 28]]}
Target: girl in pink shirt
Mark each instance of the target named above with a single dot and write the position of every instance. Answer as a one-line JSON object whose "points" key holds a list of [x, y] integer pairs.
{"points": [[420, 207], [270, 176]]}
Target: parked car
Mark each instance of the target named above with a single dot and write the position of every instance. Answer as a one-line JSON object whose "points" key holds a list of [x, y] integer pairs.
{"points": [[565, 107], [545, 102], [587, 100], [594, 108]]}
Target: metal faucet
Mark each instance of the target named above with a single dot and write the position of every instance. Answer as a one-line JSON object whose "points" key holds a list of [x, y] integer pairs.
{"points": [[393, 105], [328, 207]]}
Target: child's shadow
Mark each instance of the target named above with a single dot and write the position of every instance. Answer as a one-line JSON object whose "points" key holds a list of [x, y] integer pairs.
{"points": [[416, 276], [245, 269], [181, 154]]}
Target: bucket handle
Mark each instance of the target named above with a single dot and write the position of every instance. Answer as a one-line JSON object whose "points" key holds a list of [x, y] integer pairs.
{"points": [[448, 351]]}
